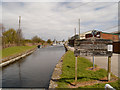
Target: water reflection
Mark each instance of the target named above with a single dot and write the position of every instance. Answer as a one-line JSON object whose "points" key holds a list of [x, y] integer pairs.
{"points": [[34, 70]]}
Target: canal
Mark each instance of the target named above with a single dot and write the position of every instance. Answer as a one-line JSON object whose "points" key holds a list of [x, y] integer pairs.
{"points": [[33, 71]]}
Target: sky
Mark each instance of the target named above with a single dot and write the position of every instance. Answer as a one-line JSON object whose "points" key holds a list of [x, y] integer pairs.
{"points": [[57, 20]]}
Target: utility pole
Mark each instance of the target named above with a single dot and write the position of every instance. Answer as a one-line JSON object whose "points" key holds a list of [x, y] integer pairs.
{"points": [[19, 32], [79, 26], [19, 21], [75, 31]]}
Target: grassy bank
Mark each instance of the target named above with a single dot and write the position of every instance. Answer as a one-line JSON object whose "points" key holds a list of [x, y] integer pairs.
{"points": [[15, 50], [115, 84], [84, 75]]}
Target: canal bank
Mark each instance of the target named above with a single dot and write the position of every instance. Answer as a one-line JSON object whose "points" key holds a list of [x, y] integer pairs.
{"points": [[58, 69], [64, 73], [17, 57], [87, 78], [56, 73], [33, 71], [10, 59], [67, 48]]}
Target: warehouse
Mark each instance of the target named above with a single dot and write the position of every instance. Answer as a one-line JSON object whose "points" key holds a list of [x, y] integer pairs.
{"points": [[115, 37], [104, 35]]}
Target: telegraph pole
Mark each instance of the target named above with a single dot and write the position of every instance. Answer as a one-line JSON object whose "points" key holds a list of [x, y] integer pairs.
{"points": [[19, 32], [79, 26], [19, 21], [75, 31]]}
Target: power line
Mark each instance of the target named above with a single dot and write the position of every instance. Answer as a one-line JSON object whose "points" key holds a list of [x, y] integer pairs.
{"points": [[112, 27]]}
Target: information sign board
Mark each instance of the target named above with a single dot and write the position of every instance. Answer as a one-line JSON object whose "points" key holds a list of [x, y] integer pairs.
{"points": [[96, 47]]}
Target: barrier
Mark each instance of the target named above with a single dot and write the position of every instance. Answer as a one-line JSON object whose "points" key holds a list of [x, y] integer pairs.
{"points": [[109, 87]]}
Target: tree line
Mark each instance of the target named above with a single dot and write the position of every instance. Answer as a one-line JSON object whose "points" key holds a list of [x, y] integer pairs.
{"points": [[12, 37]]}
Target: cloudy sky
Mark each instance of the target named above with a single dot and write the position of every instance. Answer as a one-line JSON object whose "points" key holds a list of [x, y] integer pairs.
{"points": [[58, 19]]}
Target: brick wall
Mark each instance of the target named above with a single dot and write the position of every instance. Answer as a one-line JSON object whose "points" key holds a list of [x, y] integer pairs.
{"points": [[109, 36]]}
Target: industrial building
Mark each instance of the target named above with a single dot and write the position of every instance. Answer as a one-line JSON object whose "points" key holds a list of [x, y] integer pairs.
{"points": [[103, 35], [115, 37]]}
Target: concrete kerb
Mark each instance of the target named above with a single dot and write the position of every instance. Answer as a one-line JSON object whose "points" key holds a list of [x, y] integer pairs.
{"points": [[19, 56], [56, 73]]}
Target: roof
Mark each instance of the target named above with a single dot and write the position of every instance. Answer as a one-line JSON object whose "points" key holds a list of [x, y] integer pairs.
{"points": [[110, 33], [117, 32], [114, 33], [74, 37]]}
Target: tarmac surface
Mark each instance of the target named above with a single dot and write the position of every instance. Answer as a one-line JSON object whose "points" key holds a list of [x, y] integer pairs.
{"points": [[102, 61]]}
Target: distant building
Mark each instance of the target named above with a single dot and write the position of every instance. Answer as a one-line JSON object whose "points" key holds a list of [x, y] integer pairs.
{"points": [[114, 36], [116, 44], [117, 32], [83, 35], [104, 35], [71, 40]]}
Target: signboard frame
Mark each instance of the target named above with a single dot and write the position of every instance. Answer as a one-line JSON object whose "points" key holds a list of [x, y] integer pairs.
{"points": [[93, 47], [108, 49]]}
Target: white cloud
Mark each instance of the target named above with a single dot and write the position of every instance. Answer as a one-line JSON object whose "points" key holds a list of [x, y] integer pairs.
{"points": [[0, 12], [58, 20], [60, 0]]}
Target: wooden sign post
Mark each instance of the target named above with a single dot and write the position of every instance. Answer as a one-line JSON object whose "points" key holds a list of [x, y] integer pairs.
{"points": [[100, 47], [76, 53], [75, 70], [110, 49], [109, 68]]}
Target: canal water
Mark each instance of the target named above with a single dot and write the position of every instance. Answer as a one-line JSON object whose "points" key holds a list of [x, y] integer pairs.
{"points": [[33, 71]]}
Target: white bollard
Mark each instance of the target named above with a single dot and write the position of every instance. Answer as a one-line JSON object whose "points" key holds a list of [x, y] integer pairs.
{"points": [[109, 87]]}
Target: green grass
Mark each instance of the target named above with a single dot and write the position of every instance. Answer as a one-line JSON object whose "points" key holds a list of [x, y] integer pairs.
{"points": [[15, 50], [68, 71], [115, 84]]}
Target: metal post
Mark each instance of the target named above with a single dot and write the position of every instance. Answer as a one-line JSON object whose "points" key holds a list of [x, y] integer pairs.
{"points": [[75, 31], [93, 56], [79, 26], [93, 63], [75, 70], [109, 67], [19, 21]]}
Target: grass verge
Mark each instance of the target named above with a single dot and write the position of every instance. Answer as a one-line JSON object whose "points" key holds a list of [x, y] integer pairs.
{"points": [[101, 85], [15, 50], [84, 75]]}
